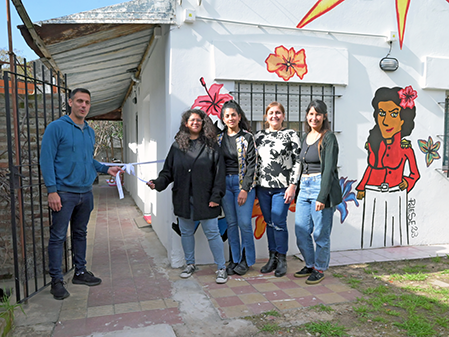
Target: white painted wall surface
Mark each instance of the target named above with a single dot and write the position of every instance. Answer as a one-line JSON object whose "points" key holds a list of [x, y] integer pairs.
{"points": [[349, 40]]}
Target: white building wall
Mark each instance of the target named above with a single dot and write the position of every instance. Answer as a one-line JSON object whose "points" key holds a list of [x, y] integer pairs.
{"points": [[344, 50]]}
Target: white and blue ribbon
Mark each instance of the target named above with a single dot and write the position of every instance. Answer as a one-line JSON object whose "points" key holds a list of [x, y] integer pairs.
{"points": [[129, 168]]}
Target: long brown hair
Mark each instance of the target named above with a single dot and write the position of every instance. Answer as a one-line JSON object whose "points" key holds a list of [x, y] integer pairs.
{"points": [[321, 108]]}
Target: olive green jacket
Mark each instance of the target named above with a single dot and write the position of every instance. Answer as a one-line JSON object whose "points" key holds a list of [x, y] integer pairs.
{"points": [[330, 192]]}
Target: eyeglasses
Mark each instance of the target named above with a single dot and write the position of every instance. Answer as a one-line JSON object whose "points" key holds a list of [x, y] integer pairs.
{"points": [[191, 120]]}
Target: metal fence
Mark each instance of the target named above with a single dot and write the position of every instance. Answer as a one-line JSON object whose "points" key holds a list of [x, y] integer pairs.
{"points": [[33, 97]]}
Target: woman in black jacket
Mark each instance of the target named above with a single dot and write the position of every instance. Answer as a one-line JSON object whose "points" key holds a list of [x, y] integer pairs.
{"points": [[195, 166]]}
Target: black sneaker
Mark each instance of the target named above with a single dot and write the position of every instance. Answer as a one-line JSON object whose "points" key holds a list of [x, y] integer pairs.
{"points": [[315, 277], [230, 268], [87, 278], [306, 271], [58, 291]]}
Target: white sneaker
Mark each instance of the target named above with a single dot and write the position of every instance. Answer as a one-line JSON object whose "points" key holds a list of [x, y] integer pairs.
{"points": [[222, 276], [188, 271]]}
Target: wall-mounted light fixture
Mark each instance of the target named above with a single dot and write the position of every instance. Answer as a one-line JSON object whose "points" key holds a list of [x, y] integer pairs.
{"points": [[389, 63]]}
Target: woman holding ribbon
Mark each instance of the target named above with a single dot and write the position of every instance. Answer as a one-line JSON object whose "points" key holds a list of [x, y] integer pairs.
{"points": [[195, 166]]}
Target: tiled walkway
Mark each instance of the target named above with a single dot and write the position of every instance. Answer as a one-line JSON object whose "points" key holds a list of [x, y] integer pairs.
{"points": [[138, 285]]}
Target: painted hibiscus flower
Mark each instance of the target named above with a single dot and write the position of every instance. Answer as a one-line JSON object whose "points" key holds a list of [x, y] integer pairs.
{"points": [[346, 187], [430, 149], [286, 63], [407, 96], [212, 102]]}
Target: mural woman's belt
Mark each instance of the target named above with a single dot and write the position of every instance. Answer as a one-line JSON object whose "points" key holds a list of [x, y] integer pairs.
{"points": [[384, 187]]}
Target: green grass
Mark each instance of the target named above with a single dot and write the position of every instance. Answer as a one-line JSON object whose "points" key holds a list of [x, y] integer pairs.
{"points": [[323, 308], [381, 289], [7, 311], [415, 268], [416, 326], [273, 312], [409, 277], [353, 283], [326, 329], [270, 327], [436, 259]]}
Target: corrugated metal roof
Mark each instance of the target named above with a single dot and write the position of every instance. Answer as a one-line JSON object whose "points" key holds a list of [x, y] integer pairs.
{"points": [[96, 48]]}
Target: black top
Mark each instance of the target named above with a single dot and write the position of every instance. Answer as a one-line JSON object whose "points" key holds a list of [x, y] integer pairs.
{"points": [[229, 149], [310, 158]]}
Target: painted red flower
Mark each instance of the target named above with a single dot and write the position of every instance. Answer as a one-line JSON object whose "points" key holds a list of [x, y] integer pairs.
{"points": [[285, 63], [212, 102], [407, 96]]}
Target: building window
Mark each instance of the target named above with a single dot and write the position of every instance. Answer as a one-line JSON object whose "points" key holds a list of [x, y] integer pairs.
{"points": [[253, 97]]}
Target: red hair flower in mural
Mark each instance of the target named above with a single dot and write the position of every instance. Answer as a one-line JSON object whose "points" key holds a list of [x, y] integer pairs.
{"points": [[407, 96], [213, 101], [285, 63]]}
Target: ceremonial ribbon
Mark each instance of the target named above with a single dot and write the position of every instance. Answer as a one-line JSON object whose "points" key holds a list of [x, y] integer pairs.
{"points": [[129, 168]]}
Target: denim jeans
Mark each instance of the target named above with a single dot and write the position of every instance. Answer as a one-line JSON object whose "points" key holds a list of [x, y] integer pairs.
{"points": [[76, 209], [239, 217], [309, 222], [274, 210], [210, 229]]}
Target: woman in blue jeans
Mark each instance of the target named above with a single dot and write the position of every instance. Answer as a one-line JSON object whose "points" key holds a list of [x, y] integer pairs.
{"points": [[195, 166], [277, 174], [239, 152], [319, 193]]}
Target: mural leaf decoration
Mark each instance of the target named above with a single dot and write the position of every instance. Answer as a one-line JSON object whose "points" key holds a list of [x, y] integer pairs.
{"points": [[346, 187], [320, 7], [211, 103], [407, 96], [429, 149], [261, 225], [286, 63]]}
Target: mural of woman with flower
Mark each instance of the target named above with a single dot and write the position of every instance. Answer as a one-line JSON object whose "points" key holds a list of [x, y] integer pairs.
{"points": [[392, 170]]}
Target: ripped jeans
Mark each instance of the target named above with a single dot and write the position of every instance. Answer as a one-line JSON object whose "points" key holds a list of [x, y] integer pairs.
{"points": [[274, 211]]}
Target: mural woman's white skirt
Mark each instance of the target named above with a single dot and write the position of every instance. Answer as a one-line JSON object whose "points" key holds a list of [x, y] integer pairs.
{"points": [[384, 218]]}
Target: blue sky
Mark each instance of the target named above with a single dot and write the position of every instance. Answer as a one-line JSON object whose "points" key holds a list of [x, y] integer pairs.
{"points": [[39, 10]]}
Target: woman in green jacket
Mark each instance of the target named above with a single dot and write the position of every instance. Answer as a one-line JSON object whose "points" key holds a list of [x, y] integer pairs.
{"points": [[319, 193]]}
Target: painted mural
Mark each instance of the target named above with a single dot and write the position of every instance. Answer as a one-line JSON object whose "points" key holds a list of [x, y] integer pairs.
{"points": [[212, 102], [391, 172], [430, 149], [323, 6], [286, 63]]}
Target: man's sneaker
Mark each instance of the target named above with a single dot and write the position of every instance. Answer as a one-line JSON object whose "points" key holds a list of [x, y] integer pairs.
{"points": [[222, 276], [315, 277], [306, 271], [188, 271], [86, 278], [58, 291]]}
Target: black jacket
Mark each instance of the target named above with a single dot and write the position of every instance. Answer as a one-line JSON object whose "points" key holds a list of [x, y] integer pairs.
{"points": [[208, 175]]}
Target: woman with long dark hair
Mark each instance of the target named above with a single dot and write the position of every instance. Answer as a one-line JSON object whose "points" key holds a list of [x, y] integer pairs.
{"points": [[319, 193], [277, 175], [238, 147], [385, 184], [195, 166]]}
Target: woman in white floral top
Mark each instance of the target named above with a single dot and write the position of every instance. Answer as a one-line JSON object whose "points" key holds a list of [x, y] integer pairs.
{"points": [[277, 174]]}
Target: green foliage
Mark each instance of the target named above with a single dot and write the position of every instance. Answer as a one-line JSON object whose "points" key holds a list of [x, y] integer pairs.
{"points": [[353, 283], [326, 329], [409, 277], [415, 268], [322, 308], [417, 326], [381, 289], [436, 259], [7, 311], [270, 327], [272, 312]]}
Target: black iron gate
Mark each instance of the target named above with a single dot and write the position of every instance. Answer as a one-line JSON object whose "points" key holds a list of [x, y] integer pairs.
{"points": [[33, 97]]}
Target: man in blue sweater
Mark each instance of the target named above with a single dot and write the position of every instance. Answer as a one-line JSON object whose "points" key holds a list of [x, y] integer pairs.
{"points": [[69, 170]]}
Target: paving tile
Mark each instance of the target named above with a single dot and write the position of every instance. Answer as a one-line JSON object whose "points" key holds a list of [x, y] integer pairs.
{"points": [[169, 303], [276, 295], [228, 301], [121, 308], [286, 285], [318, 289], [223, 292], [331, 298], [308, 301], [244, 290], [236, 311], [351, 295], [297, 292], [338, 287], [252, 298], [100, 311], [258, 308], [287, 304], [264, 287]]}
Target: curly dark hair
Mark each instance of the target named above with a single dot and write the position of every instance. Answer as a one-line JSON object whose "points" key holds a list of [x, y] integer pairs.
{"points": [[407, 115], [244, 122], [207, 136]]}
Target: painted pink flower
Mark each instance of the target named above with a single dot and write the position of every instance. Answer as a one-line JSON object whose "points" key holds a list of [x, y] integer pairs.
{"points": [[286, 62], [407, 96], [212, 102]]}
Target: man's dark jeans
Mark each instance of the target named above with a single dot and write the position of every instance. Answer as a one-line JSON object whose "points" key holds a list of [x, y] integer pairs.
{"points": [[76, 209]]}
